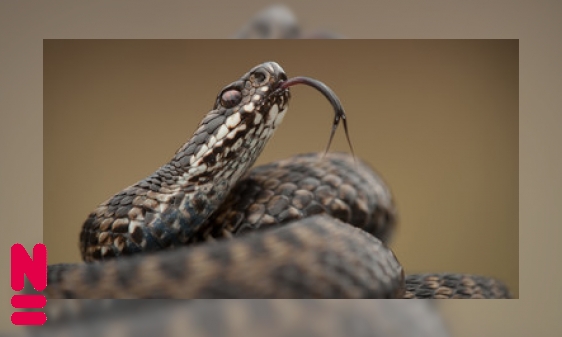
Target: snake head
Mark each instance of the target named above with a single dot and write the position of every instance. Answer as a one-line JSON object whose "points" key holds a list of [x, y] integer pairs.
{"points": [[244, 117], [255, 92]]}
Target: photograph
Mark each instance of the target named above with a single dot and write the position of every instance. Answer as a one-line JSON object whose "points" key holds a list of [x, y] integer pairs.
{"points": [[261, 168]]}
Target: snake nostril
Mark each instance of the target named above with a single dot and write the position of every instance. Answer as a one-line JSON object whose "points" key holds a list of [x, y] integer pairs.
{"points": [[230, 98], [260, 77]]}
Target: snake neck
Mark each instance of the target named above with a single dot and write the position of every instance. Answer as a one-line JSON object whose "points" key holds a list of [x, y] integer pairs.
{"points": [[205, 172], [167, 208]]}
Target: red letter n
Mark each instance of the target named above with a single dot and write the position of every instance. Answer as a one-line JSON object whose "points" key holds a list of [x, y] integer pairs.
{"points": [[35, 269]]}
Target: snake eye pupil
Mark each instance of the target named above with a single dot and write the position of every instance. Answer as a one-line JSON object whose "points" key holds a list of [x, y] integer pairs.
{"points": [[230, 98]]}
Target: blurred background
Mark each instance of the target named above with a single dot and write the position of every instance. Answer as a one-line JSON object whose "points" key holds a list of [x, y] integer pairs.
{"points": [[437, 118]]}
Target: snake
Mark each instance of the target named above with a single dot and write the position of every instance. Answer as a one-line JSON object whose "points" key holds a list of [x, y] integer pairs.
{"points": [[206, 225], [247, 318]]}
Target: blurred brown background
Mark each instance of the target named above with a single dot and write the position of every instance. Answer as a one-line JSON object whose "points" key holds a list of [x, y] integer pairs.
{"points": [[437, 118]]}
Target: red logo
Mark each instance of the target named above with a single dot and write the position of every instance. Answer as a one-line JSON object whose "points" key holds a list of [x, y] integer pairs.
{"points": [[36, 271]]}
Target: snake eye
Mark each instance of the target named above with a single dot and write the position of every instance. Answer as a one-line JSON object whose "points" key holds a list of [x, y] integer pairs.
{"points": [[230, 98]]}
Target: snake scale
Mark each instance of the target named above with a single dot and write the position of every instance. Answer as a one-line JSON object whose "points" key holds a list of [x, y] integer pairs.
{"points": [[244, 318], [202, 226]]}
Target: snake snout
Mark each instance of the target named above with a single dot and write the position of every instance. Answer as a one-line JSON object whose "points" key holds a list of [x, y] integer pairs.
{"points": [[276, 70], [274, 73]]}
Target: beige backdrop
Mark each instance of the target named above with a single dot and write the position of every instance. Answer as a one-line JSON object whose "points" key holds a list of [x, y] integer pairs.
{"points": [[437, 118]]}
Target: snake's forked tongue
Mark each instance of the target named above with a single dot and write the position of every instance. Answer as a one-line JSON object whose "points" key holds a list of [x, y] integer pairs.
{"points": [[339, 113]]}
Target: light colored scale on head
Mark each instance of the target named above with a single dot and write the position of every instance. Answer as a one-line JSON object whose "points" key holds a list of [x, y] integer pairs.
{"points": [[249, 107], [233, 120], [270, 67]]}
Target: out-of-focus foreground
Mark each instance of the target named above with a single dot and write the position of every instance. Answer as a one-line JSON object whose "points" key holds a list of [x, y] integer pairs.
{"points": [[244, 318]]}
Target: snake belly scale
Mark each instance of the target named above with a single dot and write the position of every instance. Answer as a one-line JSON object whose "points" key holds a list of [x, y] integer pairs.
{"points": [[313, 225]]}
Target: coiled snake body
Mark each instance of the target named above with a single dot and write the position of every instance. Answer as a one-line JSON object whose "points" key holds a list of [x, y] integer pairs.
{"points": [[308, 226]]}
